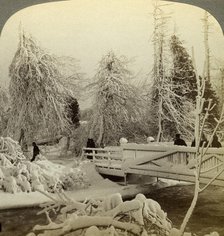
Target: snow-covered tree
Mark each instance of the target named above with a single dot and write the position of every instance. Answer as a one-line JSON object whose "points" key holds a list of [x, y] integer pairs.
{"points": [[38, 98], [4, 109], [116, 100], [159, 68], [210, 93], [206, 27], [170, 116], [182, 72], [184, 89], [71, 78]]}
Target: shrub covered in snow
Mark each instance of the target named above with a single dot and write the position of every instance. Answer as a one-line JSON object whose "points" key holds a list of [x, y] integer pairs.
{"points": [[20, 175], [106, 216]]}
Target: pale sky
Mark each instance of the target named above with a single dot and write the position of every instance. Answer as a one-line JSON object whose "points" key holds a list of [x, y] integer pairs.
{"points": [[88, 29]]}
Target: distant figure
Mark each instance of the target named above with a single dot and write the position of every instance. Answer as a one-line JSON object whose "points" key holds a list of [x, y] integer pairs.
{"points": [[90, 144], [193, 143], [36, 151], [123, 141], [178, 141], [215, 142], [150, 139], [203, 140]]}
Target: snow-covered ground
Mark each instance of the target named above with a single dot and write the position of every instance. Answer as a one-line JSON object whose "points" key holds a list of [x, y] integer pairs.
{"points": [[98, 187]]}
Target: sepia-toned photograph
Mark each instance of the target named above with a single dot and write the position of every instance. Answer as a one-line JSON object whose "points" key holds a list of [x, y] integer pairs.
{"points": [[111, 118]]}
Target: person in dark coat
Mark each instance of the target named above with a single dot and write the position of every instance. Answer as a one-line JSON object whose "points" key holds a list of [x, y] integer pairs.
{"points": [[179, 141], [36, 151], [90, 144], [203, 140], [215, 142]]}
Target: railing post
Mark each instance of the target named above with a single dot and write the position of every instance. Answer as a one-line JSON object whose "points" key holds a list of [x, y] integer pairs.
{"points": [[82, 154], [125, 179], [94, 159]]}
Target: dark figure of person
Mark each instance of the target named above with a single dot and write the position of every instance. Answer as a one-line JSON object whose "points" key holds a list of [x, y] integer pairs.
{"points": [[203, 140], [193, 143], [179, 141], [215, 142], [90, 144], [36, 151]]}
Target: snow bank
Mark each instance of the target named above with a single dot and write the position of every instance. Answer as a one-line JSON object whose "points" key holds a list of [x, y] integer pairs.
{"points": [[20, 175]]}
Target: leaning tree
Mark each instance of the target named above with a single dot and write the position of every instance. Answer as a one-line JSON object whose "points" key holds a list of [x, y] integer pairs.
{"points": [[115, 100], [39, 100]]}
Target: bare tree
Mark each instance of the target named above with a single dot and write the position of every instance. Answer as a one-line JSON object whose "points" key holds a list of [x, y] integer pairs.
{"points": [[206, 27], [160, 63]]}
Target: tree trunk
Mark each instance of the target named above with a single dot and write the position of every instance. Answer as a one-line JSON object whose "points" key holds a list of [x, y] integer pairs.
{"points": [[160, 120], [100, 138], [191, 208], [68, 144]]}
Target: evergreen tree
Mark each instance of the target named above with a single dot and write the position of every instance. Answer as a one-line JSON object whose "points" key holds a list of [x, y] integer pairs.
{"points": [[210, 93], [73, 112], [116, 101], [183, 74], [184, 81], [170, 109]]}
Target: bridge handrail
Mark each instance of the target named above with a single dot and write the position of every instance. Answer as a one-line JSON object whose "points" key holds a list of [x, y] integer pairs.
{"points": [[106, 154], [160, 147], [103, 149]]}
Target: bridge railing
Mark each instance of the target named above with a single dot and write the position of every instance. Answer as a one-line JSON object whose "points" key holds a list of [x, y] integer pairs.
{"points": [[158, 153], [103, 154], [154, 154]]}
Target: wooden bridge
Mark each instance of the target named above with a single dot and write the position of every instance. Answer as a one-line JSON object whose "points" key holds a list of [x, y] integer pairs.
{"points": [[158, 160]]}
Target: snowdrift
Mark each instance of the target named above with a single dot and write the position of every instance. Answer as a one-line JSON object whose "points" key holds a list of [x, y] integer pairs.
{"points": [[17, 174]]}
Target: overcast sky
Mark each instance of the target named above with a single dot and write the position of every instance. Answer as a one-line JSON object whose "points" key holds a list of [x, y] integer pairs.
{"points": [[88, 29]]}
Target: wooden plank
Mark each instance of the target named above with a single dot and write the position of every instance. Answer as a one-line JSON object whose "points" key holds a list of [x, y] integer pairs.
{"points": [[105, 155], [110, 171], [174, 176], [148, 159], [209, 156], [104, 149]]}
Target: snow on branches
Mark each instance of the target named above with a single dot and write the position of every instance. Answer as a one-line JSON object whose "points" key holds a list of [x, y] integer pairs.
{"points": [[38, 97], [20, 175], [107, 216], [116, 100], [4, 109]]}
